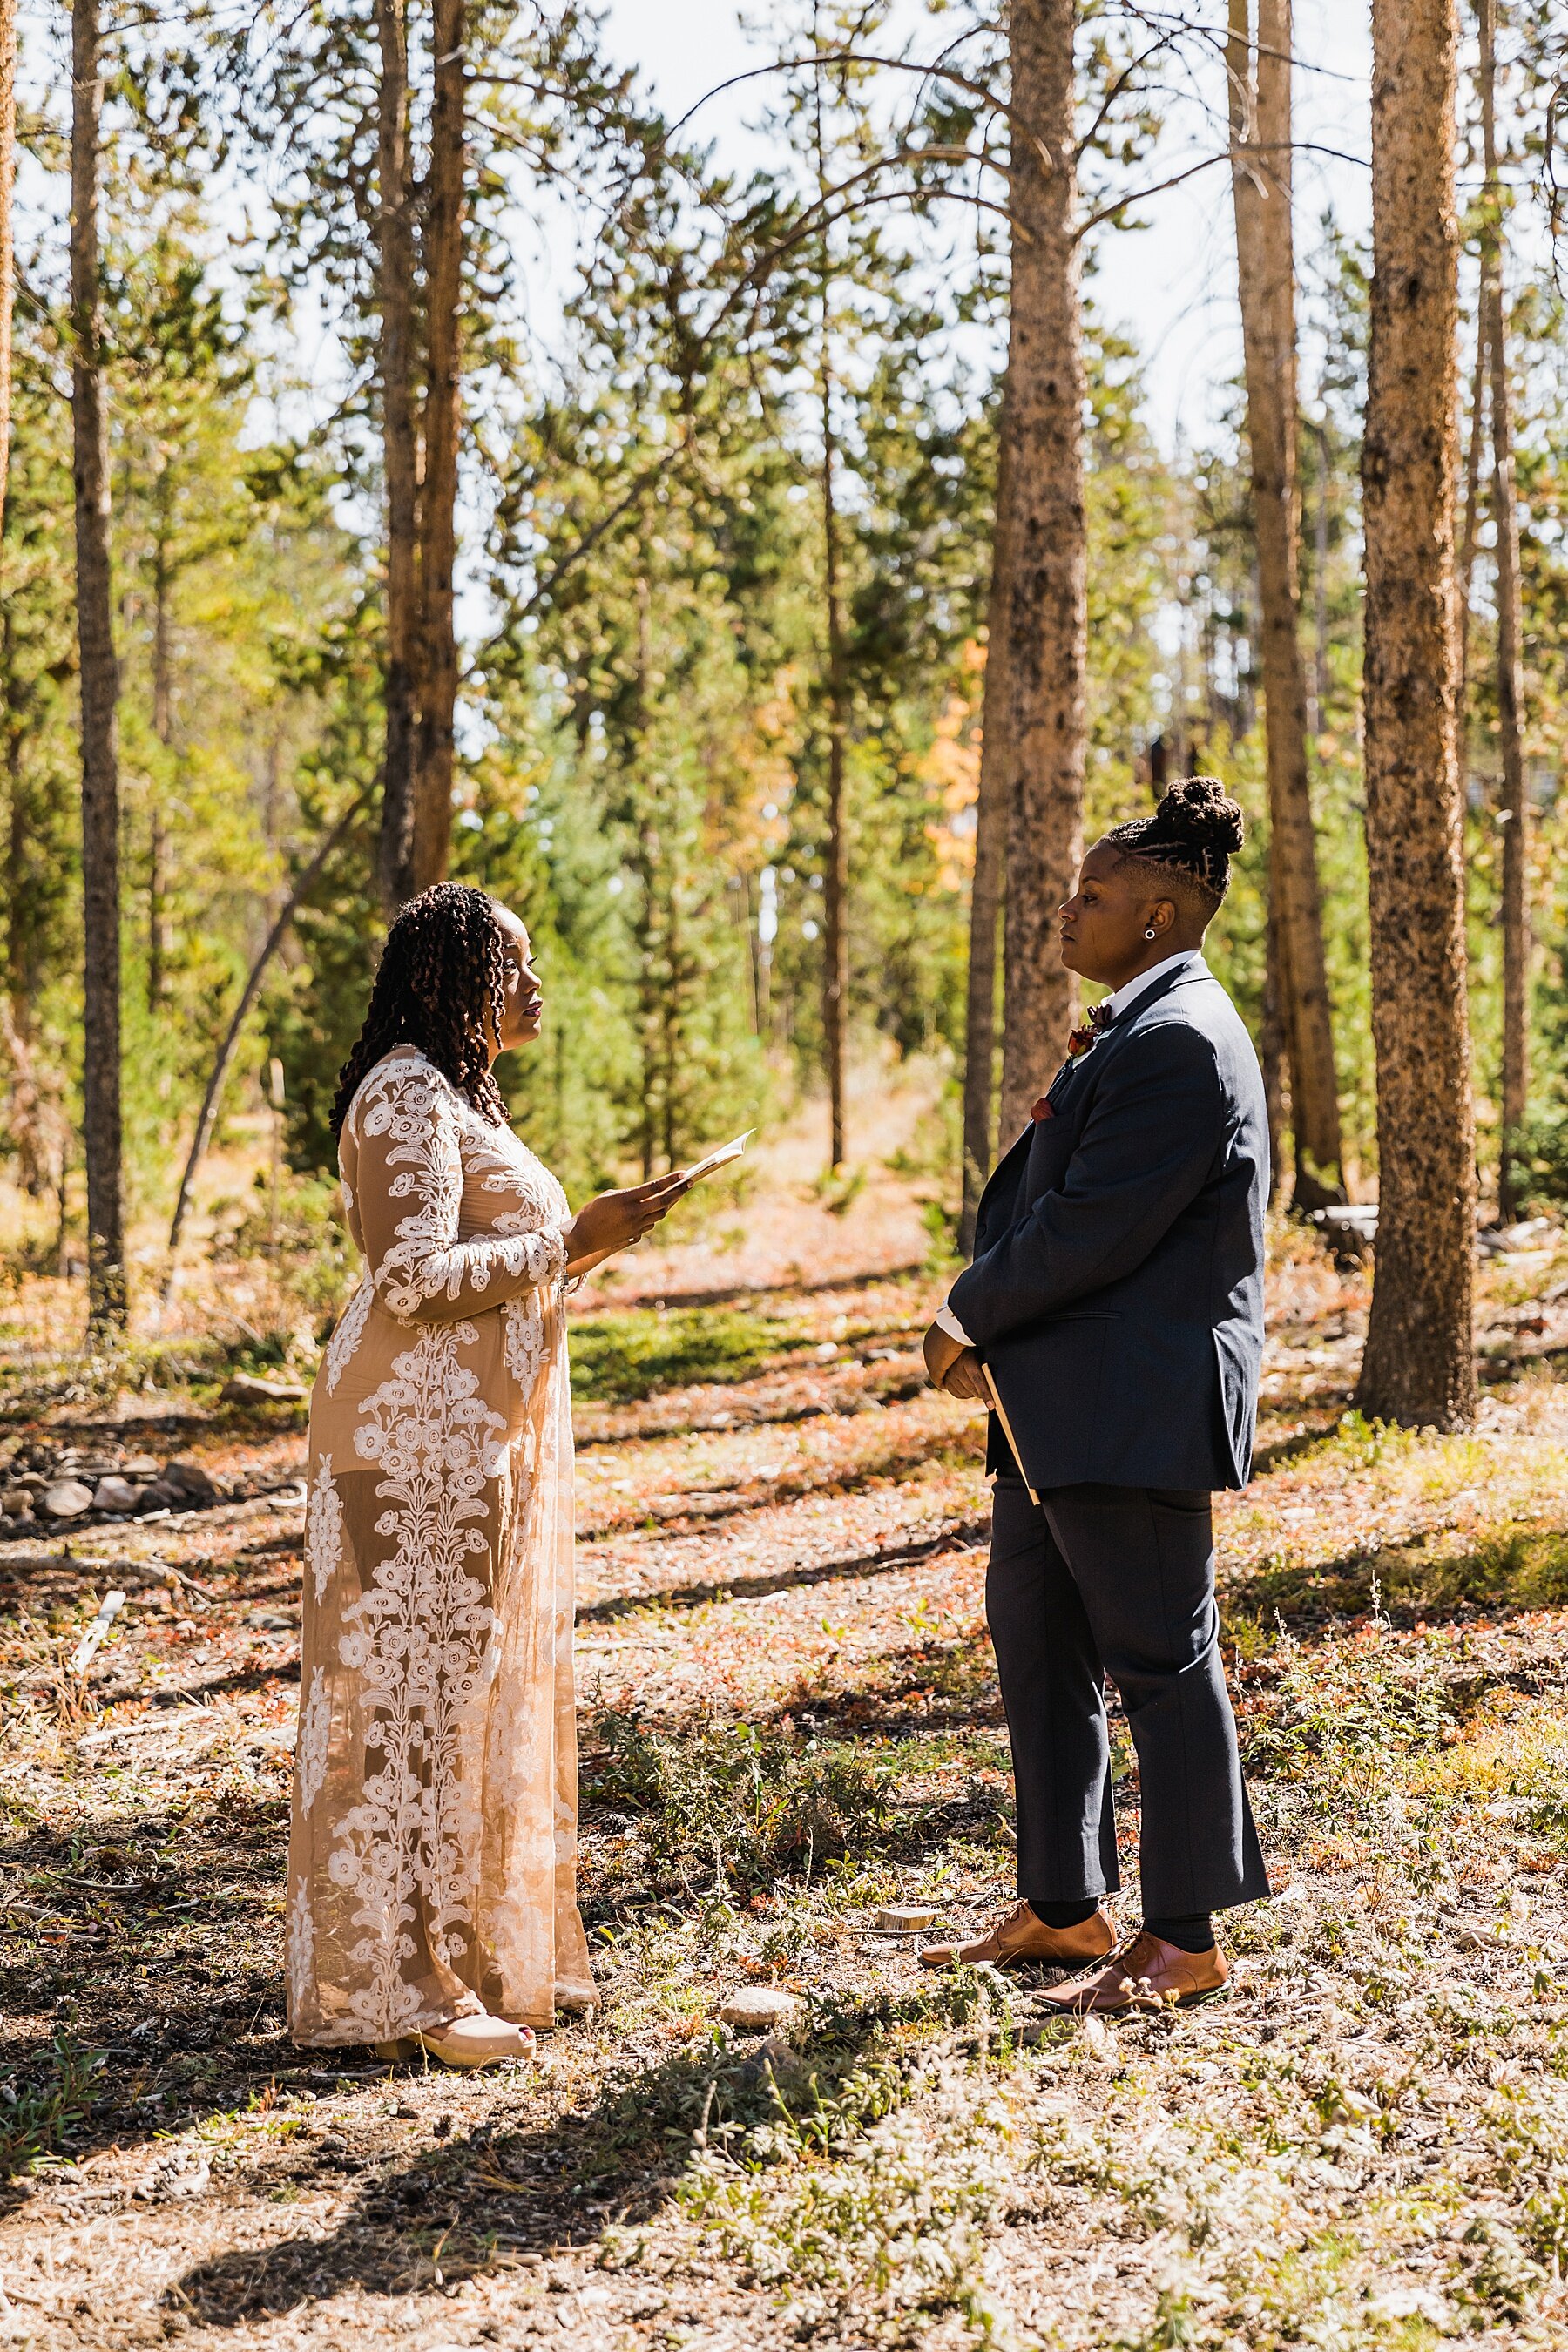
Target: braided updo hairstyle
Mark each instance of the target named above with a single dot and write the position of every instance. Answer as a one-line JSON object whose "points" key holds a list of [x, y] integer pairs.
{"points": [[439, 986], [1192, 838]]}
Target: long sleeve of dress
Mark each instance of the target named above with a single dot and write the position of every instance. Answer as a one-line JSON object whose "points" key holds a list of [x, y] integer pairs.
{"points": [[409, 1188]]}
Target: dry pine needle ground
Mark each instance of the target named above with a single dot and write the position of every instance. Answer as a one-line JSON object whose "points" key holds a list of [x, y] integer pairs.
{"points": [[790, 1718]]}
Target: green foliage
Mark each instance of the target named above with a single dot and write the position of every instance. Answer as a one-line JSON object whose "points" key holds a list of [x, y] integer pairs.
{"points": [[622, 1357], [847, 2064], [1541, 1159], [42, 2106], [1350, 1728], [736, 1806]]}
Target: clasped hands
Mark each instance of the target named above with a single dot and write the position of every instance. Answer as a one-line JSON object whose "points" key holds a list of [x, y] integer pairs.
{"points": [[955, 1369]]}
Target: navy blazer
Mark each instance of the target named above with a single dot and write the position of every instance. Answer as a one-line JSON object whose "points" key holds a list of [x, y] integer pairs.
{"points": [[1117, 1288]]}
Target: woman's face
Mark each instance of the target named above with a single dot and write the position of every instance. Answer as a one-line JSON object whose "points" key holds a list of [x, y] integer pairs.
{"points": [[1105, 923], [523, 997]]}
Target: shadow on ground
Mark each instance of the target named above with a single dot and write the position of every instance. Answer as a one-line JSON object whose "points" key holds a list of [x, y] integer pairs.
{"points": [[516, 2190]]}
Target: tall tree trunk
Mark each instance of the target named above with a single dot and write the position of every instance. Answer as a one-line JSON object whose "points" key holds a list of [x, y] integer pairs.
{"points": [[1272, 1053], [99, 690], [1259, 78], [396, 293], [444, 218], [1042, 531], [32, 1130], [163, 727], [1317, 716], [1514, 813], [1419, 1365], [7, 258], [647, 865], [986, 891], [836, 859]]}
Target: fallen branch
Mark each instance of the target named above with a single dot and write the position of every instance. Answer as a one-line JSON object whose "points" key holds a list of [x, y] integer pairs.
{"points": [[207, 1118], [92, 1640]]}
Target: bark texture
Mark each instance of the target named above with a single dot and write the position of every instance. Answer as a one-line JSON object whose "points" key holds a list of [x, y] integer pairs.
{"points": [[1272, 1056], [1258, 76], [36, 1130], [1042, 532], [1514, 815], [1419, 1365], [99, 690], [446, 205], [7, 256], [986, 889], [163, 727], [399, 449]]}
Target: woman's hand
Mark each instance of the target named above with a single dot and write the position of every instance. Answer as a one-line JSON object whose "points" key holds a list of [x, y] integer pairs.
{"points": [[956, 1369], [612, 1220]]}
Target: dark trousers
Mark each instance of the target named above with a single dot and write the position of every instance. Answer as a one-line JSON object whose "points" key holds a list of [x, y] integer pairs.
{"points": [[1117, 1580]]}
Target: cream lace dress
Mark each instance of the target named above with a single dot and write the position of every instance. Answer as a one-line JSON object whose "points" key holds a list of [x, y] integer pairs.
{"points": [[433, 1848]]}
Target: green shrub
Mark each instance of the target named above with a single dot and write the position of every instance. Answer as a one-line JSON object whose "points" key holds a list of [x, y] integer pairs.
{"points": [[41, 2107], [1541, 1159], [735, 1805]]}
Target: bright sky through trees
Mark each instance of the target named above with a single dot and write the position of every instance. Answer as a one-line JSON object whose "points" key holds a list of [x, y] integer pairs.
{"points": [[1172, 287]]}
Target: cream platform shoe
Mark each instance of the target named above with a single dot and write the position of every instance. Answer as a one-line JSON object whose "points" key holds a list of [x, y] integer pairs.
{"points": [[466, 2041]]}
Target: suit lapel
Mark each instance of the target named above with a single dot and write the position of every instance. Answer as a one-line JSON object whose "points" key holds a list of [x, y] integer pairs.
{"points": [[1064, 1095], [1125, 1023]]}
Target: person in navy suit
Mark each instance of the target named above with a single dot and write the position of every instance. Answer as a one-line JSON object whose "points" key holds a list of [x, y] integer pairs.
{"points": [[1114, 1310]]}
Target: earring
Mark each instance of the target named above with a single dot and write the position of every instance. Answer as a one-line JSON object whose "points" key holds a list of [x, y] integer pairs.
{"points": [[1149, 931]]}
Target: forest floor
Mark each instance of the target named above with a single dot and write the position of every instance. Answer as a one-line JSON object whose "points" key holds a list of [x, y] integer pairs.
{"points": [[790, 1718]]}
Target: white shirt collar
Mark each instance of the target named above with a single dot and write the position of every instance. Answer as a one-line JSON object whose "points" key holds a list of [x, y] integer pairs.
{"points": [[1129, 993]]}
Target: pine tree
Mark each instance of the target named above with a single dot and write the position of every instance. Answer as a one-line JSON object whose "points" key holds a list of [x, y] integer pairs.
{"points": [[1514, 811], [1419, 1365], [1042, 531], [99, 676], [1259, 71]]}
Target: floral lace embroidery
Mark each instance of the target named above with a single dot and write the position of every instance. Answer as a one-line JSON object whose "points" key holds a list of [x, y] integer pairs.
{"points": [[324, 1527], [419, 1640], [525, 1326], [315, 1732], [412, 1102], [346, 1333], [299, 1940], [447, 1572]]}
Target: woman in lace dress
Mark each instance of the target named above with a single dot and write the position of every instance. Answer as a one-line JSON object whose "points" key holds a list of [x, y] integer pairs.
{"points": [[431, 1894]]}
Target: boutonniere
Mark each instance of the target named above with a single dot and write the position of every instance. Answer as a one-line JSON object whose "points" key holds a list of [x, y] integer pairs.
{"points": [[1081, 1038]]}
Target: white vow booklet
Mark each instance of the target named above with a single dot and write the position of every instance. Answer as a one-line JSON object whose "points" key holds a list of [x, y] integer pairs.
{"points": [[720, 1159]]}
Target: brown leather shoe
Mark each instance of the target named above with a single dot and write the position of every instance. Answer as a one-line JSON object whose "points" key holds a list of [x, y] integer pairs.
{"points": [[1148, 1973], [1022, 1938]]}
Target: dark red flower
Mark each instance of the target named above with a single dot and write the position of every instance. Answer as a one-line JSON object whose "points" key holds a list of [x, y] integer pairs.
{"points": [[1089, 1029]]}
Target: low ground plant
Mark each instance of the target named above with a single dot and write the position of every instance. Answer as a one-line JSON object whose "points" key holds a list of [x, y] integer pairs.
{"points": [[728, 1805], [42, 2106]]}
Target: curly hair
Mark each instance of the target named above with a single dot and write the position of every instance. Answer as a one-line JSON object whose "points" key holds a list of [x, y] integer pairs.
{"points": [[439, 987], [1192, 835]]}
